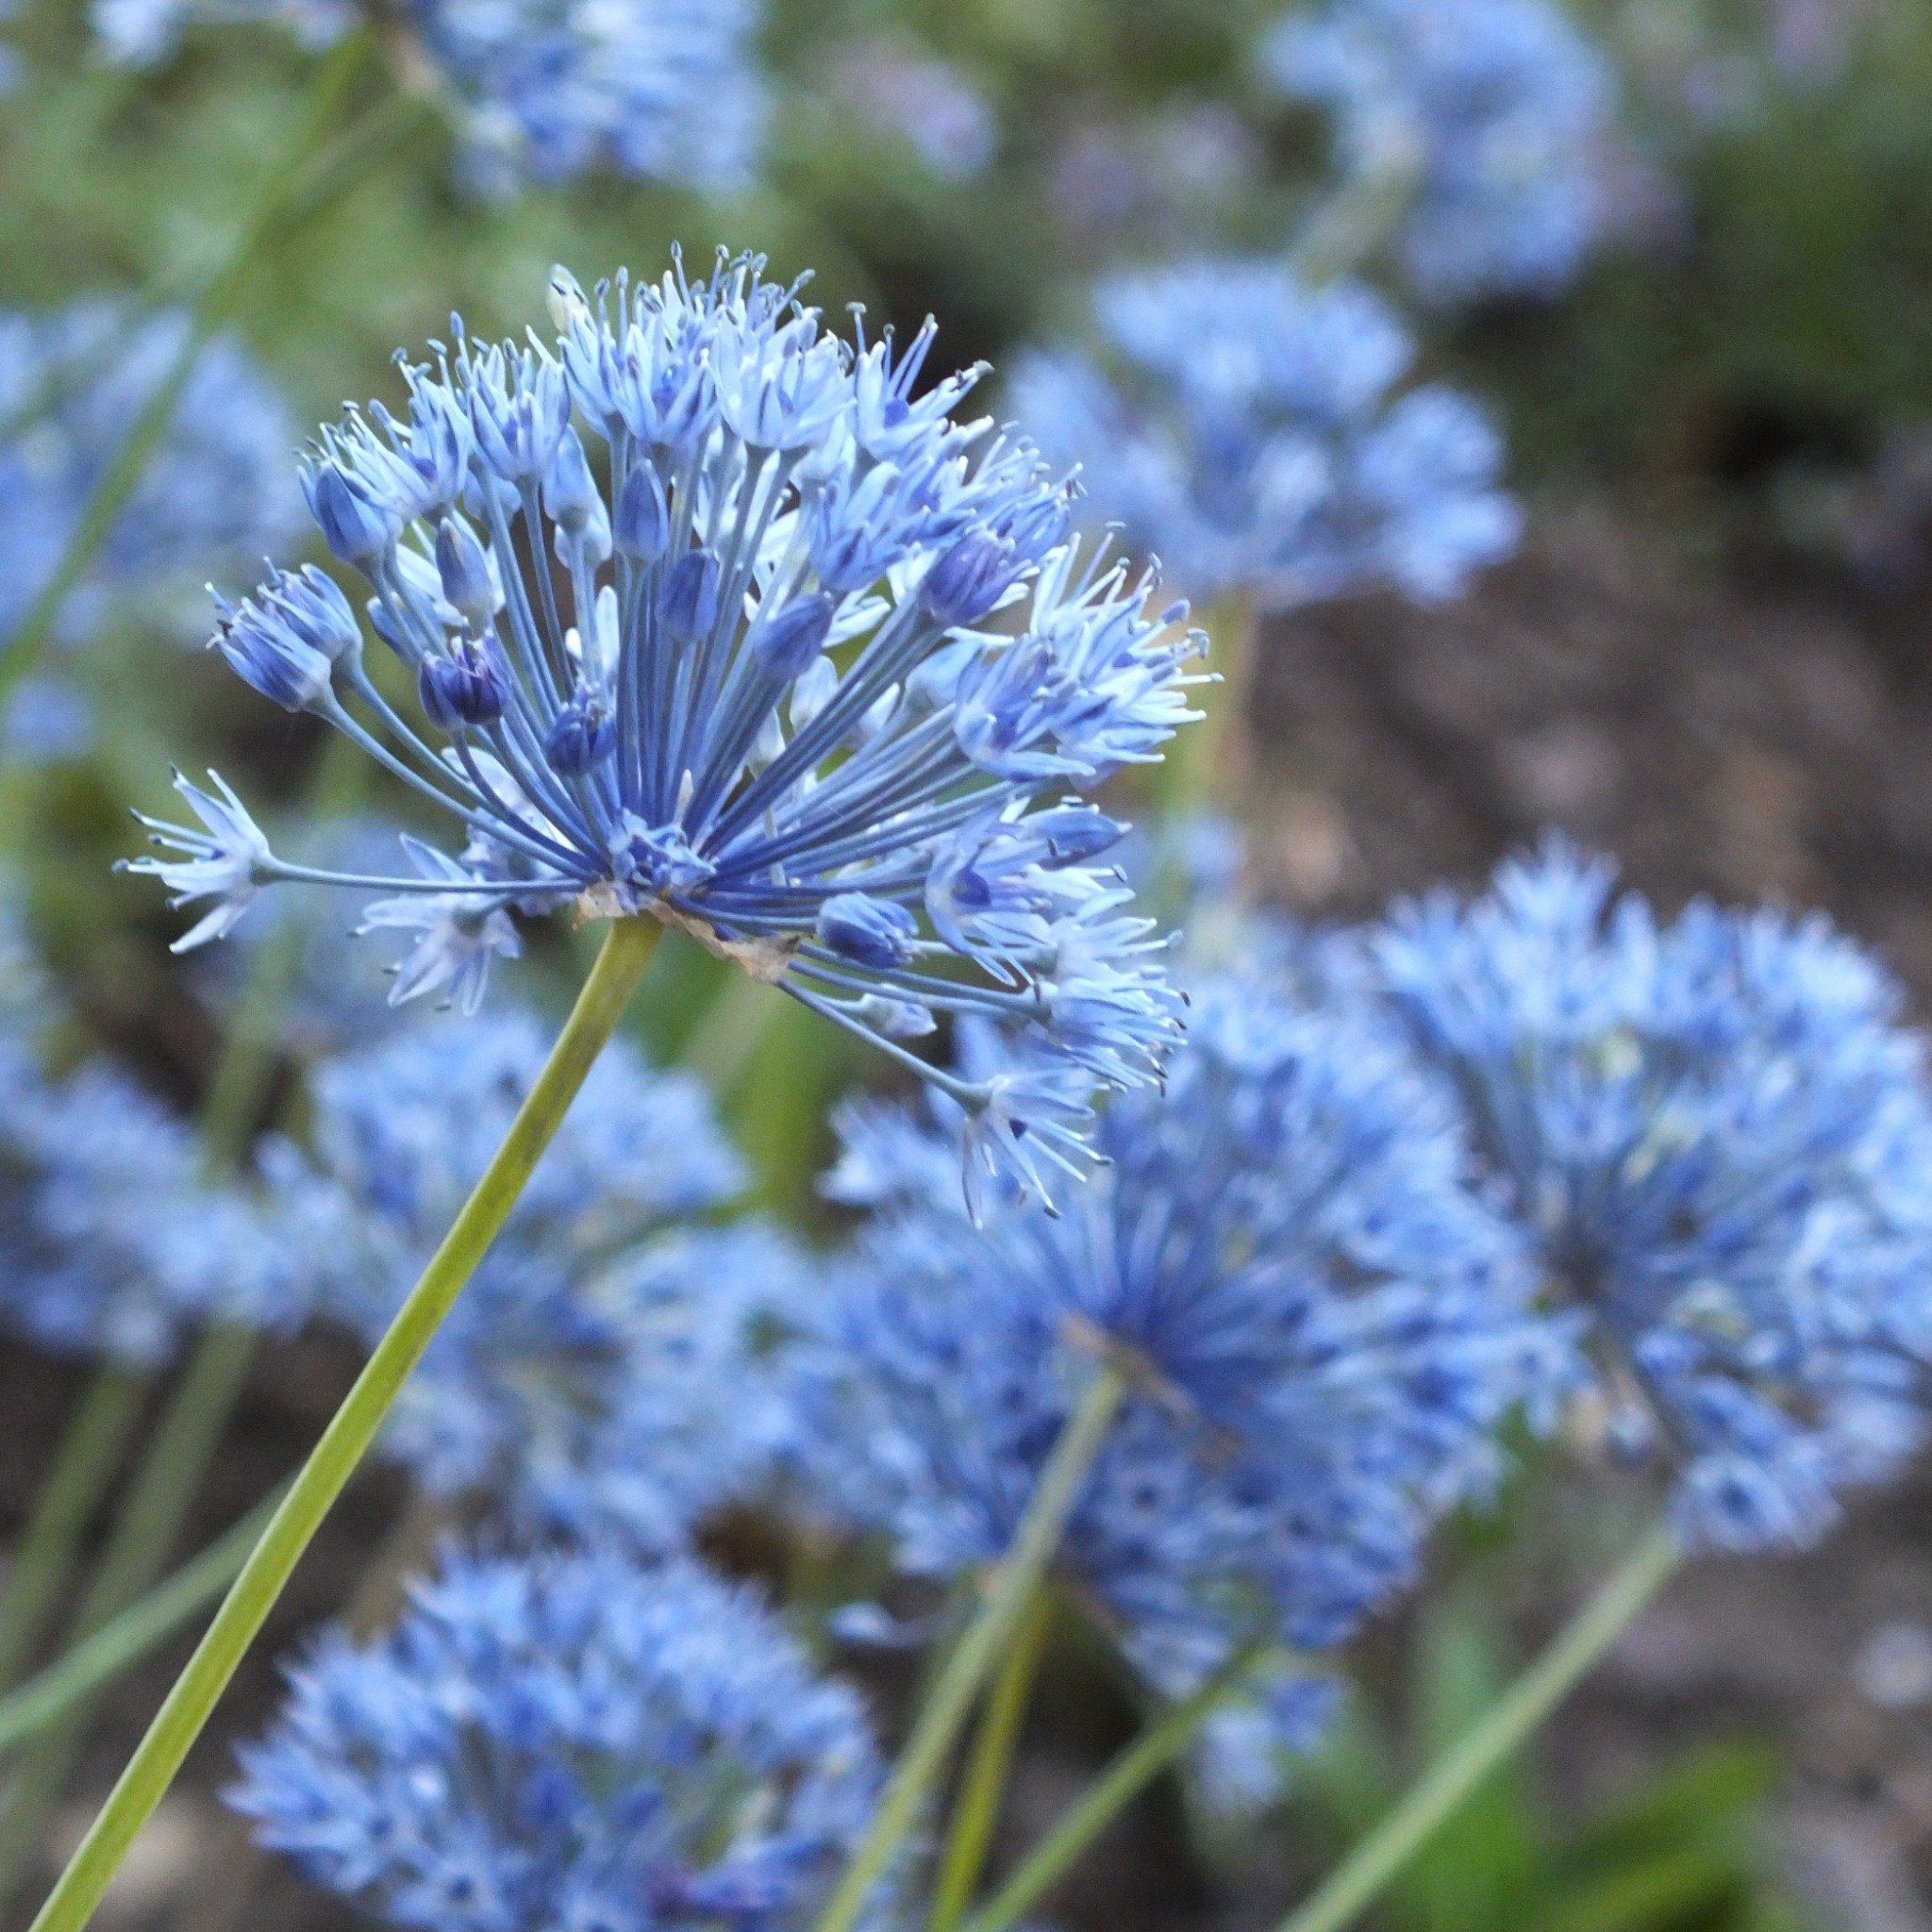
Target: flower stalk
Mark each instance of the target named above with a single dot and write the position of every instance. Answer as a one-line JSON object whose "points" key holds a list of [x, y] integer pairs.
{"points": [[1012, 1590], [626, 953], [213, 305], [1362, 1876], [1124, 1780], [89, 1454], [985, 1783], [77, 1675]]}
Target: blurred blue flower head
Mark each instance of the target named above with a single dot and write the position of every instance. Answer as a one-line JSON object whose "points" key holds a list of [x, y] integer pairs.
{"points": [[817, 676], [1323, 1326], [1258, 434], [1718, 1133], [599, 1370], [215, 495], [542, 88], [1485, 127], [920, 100], [568, 1741], [110, 1240]]}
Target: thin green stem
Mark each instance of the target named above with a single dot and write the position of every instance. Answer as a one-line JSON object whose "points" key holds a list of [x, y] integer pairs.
{"points": [[1206, 762], [978, 1811], [151, 1621], [1122, 1781], [323, 177], [182, 1449], [1503, 1730], [90, 1453], [1353, 222], [1010, 1590], [213, 305], [619, 966], [146, 1528], [726, 1039]]}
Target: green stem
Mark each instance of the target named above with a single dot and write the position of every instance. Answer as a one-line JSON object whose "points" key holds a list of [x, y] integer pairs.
{"points": [[1503, 1730], [726, 1039], [978, 1808], [146, 1528], [212, 306], [177, 1458], [90, 1453], [1206, 762], [1010, 1590], [620, 964], [323, 177], [80, 1672], [1354, 220], [1122, 1781]]}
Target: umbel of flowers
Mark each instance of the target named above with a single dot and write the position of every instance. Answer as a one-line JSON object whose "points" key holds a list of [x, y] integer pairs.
{"points": [[1484, 128], [1323, 1328], [570, 1742], [71, 381], [1717, 1132], [1259, 433], [712, 615], [547, 89], [581, 1380]]}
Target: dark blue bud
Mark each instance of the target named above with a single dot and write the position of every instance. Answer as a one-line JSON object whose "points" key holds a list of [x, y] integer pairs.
{"points": [[584, 735], [790, 645], [468, 685], [352, 524], [468, 585], [690, 605], [570, 491], [643, 518], [969, 579], [1076, 833], [874, 932]]}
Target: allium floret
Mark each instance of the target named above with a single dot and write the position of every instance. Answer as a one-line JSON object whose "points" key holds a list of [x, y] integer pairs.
{"points": [[1486, 124], [605, 1320], [570, 1741], [817, 677], [1718, 1133], [1258, 434], [1322, 1324]]}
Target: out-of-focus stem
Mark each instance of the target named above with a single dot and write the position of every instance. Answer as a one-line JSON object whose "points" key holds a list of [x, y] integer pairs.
{"points": [[1355, 1885], [1011, 1589], [985, 1783]]}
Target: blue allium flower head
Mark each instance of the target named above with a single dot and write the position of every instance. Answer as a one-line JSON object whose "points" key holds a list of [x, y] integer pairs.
{"points": [[111, 1242], [598, 1295], [542, 88], [1491, 118], [831, 667], [216, 494], [569, 1742], [921, 101], [1256, 433], [1719, 1135], [1323, 1324]]}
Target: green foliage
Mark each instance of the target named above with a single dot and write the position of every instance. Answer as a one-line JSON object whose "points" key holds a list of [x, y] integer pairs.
{"points": [[1685, 1852]]}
